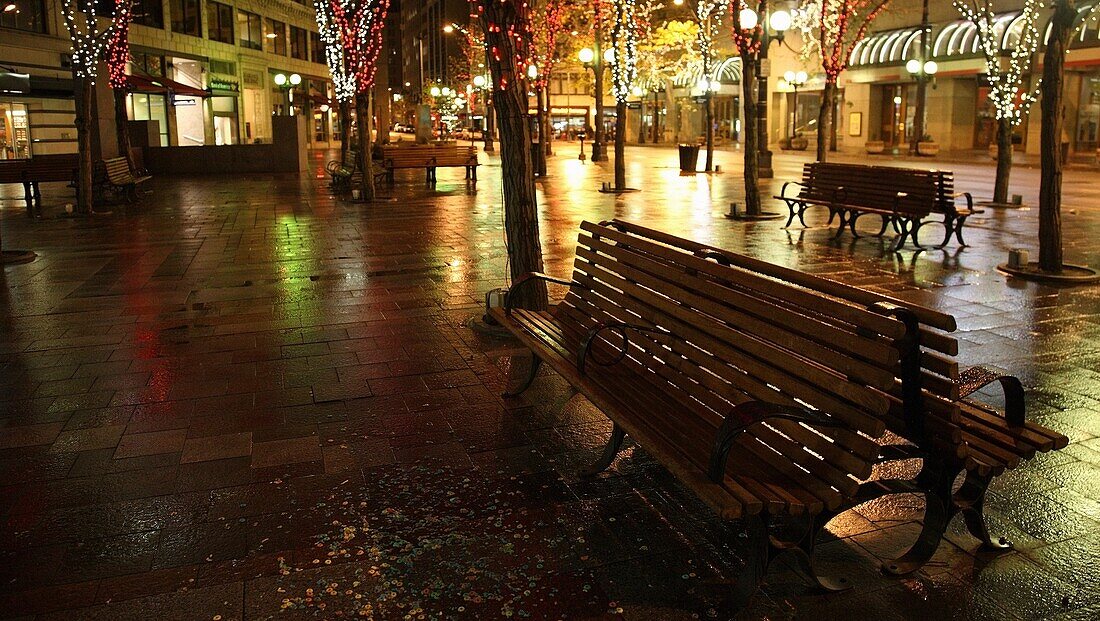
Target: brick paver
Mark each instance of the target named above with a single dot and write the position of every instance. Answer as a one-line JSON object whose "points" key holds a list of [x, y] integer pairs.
{"points": [[245, 398]]}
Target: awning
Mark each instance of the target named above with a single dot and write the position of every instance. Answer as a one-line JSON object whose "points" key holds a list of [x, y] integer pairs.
{"points": [[161, 86]]}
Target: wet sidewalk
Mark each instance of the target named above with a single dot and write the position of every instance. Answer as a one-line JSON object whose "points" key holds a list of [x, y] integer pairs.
{"points": [[246, 399]]}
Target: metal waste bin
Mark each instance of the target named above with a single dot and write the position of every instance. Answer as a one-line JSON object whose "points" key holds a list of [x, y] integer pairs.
{"points": [[538, 158], [689, 157]]}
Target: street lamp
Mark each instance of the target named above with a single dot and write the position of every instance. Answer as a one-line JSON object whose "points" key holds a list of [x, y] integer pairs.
{"points": [[287, 84], [922, 73], [594, 60], [778, 23], [795, 79]]}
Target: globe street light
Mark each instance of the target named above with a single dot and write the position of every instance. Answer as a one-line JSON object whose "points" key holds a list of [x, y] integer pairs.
{"points": [[922, 73], [795, 79], [594, 60], [287, 84], [778, 23]]}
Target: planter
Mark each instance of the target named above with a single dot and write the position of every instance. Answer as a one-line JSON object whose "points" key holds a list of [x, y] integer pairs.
{"points": [[784, 143], [928, 149], [799, 144], [874, 146]]}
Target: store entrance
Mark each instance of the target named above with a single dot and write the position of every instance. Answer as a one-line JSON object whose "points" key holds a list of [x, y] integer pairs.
{"points": [[15, 141]]}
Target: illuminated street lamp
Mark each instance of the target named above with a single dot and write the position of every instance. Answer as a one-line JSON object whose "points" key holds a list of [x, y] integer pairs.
{"points": [[778, 23], [287, 84], [922, 73], [795, 79], [592, 59]]}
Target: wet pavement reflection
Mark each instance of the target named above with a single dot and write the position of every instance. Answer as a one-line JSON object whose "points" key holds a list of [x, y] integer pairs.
{"points": [[244, 398]]}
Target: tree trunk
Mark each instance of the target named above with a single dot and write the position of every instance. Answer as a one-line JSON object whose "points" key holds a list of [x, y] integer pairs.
{"points": [[84, 123], [657, 119], [521, 218], [363, 122], [382, 105], [752, 161], [540, 126], [599, 144], [546, 137], [345, 131], [122, 129], [1050, 149], [833, 124], [825, 118], [641, 120], [620, 145], [488, 132], [708, 117], [1004, 160]]}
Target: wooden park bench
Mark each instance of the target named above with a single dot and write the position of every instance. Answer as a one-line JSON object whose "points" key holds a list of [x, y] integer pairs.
{"points": [[39, 169], [901, 197], [114, 175], [930, 408], [764, 396], [430, 157]]}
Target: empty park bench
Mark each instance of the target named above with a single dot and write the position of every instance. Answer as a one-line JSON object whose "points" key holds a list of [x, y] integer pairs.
{"points": [[931, 408], [765, 391], [115, 175], [758, 409], [429, 157], [902, 197], [39, 169]]}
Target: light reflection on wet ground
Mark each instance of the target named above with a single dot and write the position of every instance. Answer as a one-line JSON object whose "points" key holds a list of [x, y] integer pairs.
{"points": [[201, 395]]}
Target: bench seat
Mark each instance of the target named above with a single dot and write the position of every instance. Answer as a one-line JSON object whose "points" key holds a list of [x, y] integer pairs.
{"points": [[430, 157]]}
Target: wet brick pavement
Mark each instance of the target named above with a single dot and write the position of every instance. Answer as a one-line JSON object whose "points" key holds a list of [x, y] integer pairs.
{"points": [[247, 399]]}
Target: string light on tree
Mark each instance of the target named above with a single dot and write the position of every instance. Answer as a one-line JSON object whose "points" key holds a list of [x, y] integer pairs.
{"points": [[1007, 93], [88, 44], [118, 48]]}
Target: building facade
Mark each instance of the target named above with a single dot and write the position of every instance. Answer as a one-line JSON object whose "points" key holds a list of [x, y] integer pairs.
{"points": [[204, 70]]}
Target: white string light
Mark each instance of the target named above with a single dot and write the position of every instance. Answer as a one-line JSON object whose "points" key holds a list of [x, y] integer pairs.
{"points": [[88, 44], [1007, 91]]}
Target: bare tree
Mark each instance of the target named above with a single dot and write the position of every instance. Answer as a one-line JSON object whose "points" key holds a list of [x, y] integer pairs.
{"points": [[1008, 81], [507, 28], [1050, 145]]}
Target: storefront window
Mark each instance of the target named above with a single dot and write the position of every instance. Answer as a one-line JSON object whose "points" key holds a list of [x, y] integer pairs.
{"points": [[186, 17], [298, 43], [225, 120], [28, 15], [220, 26], [1088, 116], [14, 132], [275, 37], [148, 13], [147, 64], [148, 107], [251, 30]]}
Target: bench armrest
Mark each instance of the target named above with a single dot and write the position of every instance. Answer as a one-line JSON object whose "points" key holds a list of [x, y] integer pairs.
{"points": [[783, 190], [976, 378], [531, 277], [621, 328], [745, 415]]}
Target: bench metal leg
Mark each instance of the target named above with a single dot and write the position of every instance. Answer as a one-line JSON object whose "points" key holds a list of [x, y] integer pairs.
{"points": [[804, 552], [970, 501], [610, 450], [958, 225], [935, 480], [846, 221], [28, 196], [532, 372]]}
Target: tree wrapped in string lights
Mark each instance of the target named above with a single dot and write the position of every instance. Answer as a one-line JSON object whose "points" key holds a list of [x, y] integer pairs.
{"points": [[343, 79], [629, 23], [508, 36], [708, 14], [551, 18], [118, 56], [351, 31], [89, 37], [832, 28], [1008, 82], [747, 36]]}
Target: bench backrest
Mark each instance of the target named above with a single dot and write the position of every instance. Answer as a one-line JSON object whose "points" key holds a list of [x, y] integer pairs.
{"points": [[442, 155], [908, 190], [11, 171], [938, 370], [60, 167], [741, 337], [118, 171]]}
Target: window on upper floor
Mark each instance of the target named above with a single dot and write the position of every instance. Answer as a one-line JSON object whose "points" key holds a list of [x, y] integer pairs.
{"points": [[299, 43], [187, 17], [316, 48], [28, 15], [250, 29], [274, 37], [148, 13], [219, 25]]}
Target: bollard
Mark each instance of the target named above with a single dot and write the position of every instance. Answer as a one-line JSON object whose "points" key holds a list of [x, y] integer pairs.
{"points": [[1017, 258]]}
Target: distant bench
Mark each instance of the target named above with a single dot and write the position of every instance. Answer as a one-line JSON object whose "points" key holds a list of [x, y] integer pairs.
{"points": [[39, 169], [114, 175], [429, 157], [902, 197]]}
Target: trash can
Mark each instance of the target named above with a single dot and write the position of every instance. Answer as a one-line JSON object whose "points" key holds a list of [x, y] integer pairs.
{"points": [[538, 158], [689, 157]]}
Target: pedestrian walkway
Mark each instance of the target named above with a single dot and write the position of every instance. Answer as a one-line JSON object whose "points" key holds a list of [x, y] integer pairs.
{"points": [[246, 399]]}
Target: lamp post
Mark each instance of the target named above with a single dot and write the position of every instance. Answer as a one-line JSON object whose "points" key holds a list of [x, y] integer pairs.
{"points": [[287, 84], [795, 80], [922, 72], [594, 60], [776, 25]]}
